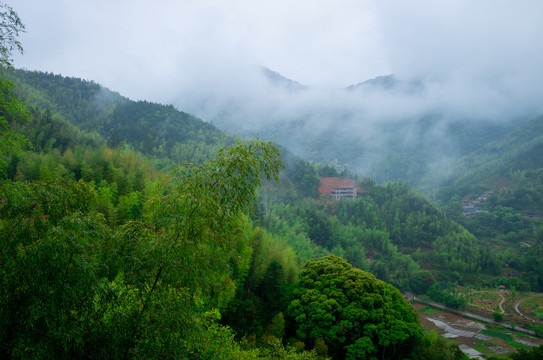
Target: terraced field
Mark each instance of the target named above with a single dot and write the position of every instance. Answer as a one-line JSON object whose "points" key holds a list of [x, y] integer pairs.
{"points": [[475, 338]]}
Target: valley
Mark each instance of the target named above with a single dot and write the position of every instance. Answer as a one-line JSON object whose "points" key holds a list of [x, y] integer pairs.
{"points": [[454, 248], [384, 201]]}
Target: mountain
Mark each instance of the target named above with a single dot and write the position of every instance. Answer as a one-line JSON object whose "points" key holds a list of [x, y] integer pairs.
{"points": [[389, 83], [95, 233], [280, 81], [154, 129], [381, 231], [511, 166], [389, 128]]}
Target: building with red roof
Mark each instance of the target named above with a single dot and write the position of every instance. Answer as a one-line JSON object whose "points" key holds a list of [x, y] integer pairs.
{"points": [[338, 188]]}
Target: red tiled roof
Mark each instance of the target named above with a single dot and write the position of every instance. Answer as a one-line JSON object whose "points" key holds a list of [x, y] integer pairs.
{"points": [[329, 183]]}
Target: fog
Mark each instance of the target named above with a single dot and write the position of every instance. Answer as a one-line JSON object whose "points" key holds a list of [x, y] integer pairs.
{"points": [[451, 61], [357, 125]]}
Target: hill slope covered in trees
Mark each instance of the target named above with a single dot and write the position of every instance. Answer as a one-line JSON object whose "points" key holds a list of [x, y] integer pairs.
{"points": [[126, 221], [402, 224], [391, 231], [132, 230], [154, 129]]}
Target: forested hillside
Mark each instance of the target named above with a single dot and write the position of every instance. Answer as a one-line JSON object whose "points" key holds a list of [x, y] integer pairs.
{"points": [[106, 249], [390, 231], [510, 165], [133, 230], [401, 221], [154, 129], [503, 183]]}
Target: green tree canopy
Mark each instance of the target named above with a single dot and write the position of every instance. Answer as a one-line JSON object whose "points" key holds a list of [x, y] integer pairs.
{"points": [[73, 286], [355, 314]]}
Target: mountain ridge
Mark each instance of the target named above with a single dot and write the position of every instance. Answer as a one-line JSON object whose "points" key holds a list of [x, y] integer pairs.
{"points": [[407, 123]]}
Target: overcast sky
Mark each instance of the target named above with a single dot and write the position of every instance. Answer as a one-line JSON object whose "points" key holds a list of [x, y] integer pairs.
{"points": [[149, 49]]}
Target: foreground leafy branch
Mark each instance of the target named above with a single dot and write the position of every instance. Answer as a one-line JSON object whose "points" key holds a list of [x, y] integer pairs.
{"points": [[73, 286], [200, 219]]}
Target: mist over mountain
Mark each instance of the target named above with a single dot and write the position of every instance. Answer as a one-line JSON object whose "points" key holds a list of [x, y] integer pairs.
{"points": [[463, 71], [280, 81], [390, 127]]}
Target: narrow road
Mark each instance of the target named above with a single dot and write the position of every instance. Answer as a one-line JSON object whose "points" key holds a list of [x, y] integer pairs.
{"points": [[520, 302]]}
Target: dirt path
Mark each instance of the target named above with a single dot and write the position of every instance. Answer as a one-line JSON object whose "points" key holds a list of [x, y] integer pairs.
{"points": [[501, 303]]}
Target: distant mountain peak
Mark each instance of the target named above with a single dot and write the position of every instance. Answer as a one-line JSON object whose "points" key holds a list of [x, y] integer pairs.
{"points": [[389, 83], [383, 82], [279, 80]]}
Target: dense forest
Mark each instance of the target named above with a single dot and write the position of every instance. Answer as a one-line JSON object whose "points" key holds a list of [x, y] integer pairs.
{"points": [[104, 254], [129, 229]]}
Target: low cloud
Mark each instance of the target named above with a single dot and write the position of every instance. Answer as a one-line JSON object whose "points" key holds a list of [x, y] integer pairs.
{"points": [[474, 61], [380, 115]]}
